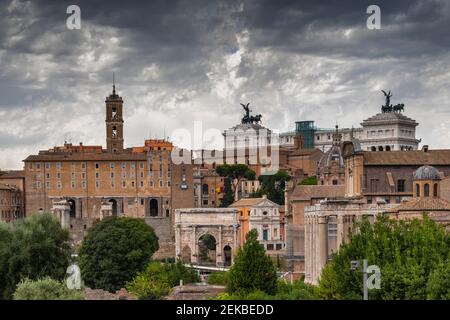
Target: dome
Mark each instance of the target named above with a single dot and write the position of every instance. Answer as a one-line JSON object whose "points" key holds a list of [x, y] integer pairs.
{"points": [[334, 155], [427, 173]]}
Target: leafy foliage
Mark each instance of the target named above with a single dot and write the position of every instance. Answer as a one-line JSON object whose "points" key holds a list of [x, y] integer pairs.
{"points": [[228, 196], [285, 291], [114, 251], [233, 174], [273, 186], [309, 181], [438, 287], [218, 278], [45, 289], [252, 269], [33, 248], [410, 255], [158, 279]]}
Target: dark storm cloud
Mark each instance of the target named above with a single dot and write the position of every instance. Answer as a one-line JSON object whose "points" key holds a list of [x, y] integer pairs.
{"points": [[180, 61]]}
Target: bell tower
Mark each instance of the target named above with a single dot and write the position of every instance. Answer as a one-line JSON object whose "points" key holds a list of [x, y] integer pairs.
{"points": [[114, 121]]}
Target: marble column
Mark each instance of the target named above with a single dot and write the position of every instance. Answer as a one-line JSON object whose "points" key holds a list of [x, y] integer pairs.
{"points": [[219, 249], [322, 257], [194, 248]]}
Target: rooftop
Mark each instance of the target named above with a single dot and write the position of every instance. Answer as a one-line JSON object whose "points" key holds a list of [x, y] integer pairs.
{"points": [[405, 158]]}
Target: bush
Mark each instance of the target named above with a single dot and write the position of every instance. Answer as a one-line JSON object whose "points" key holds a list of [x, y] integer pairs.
{"points": [[114, 251], [218, 278], [158, 279], [252, 270], [45, 289], [309, 181], [298, 290], [285, 291], [33, 248]]}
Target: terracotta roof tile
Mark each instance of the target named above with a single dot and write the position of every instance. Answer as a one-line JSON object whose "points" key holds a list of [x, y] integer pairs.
{"points": [[414, 157], [317, 191], [423, 204]]}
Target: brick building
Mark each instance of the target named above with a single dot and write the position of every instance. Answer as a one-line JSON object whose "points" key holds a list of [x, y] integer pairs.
{"points": [[12, 196], [140, 182]]}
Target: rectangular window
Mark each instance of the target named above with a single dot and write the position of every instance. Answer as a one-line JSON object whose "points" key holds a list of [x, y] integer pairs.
{"points": [[111, 165], [142, 174], [132, 184], [38, 184], [58, 165], [112, 184], [141, 165], [83, 165], [161, 183], [97, 175], [47, 175], [111, 175], [142, 184], [123, 165], [47, 185], [58, 185], [124, 184], [168, 183], [133, 165], [205, 202], [265, 234], [83, 175], [400, 185], [38, 166], [97, 165], [97, 184], [72, 184], [58, 175], [30, 166], [47, 165], [83, 184]]}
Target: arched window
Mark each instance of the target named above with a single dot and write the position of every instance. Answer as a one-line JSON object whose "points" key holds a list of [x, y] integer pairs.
{"points": [[374, 149], [380, 148], [205, 188], [417, 190], [426, 190], [435, 190], [388, 148]]}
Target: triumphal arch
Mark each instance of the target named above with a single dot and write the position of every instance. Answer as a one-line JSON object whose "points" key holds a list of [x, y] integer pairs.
{"points": [[206, 236]]}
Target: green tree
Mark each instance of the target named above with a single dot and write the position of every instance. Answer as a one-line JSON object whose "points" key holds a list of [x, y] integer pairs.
{"points": [[252, 269], [233, 175], [228, 195], [158, 279], [37, 247], [273, 186], [45, 289], [409, 254], [438, 286], [115, 250]]}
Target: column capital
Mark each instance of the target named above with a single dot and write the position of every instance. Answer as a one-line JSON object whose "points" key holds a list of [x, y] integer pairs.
{"points": [[322, 219]]}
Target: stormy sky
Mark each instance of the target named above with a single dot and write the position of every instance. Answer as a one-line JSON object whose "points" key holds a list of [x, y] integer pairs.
{"points": [[177, 62]]}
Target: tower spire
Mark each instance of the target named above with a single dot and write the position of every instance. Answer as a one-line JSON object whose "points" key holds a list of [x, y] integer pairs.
{"points": [[114, 84]]}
